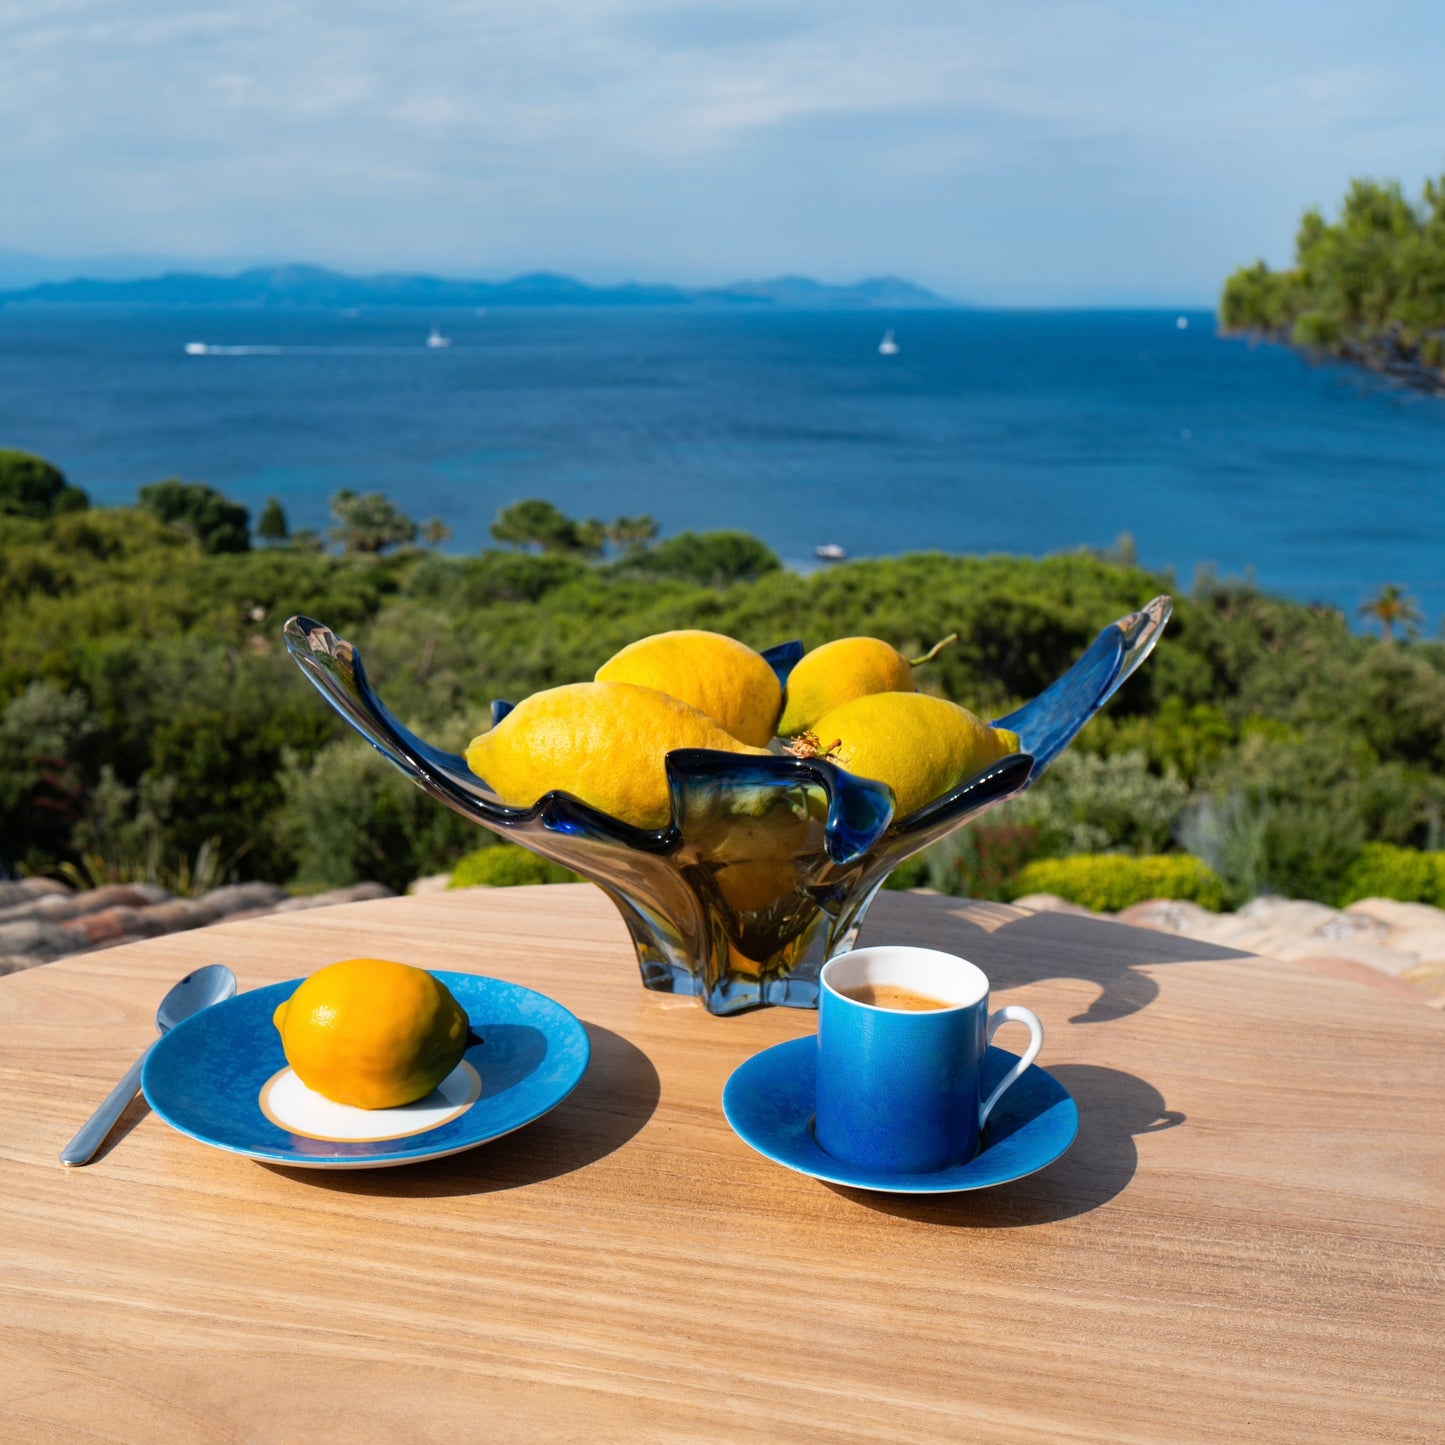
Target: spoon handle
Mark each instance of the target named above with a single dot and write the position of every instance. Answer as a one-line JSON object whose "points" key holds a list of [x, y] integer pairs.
{"points": [[93, 1131]]}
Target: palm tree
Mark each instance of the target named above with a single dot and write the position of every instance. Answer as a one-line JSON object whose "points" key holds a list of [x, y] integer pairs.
{"points": [[632, 533], [369, 524], [1392, 609], [434, 532]]}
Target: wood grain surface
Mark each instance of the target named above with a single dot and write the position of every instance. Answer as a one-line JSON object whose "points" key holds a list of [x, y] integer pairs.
{"points": [[1244, 1242]]}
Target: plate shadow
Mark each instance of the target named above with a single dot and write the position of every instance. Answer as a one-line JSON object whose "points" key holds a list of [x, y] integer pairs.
{"points": [[616, 1096]]}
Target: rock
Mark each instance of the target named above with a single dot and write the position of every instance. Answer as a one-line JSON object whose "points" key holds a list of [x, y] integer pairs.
{"points": [[27, 890], [1298, 915], [356, 893], [91, 929], [36, 939], [1395, 940], [23, 890], [1429, 978], [61, 907], [1172, 915], [41, 887], [179, 914], [1045, 903], [432, 883], [243, 897], [1398, 915], [16, 962]]}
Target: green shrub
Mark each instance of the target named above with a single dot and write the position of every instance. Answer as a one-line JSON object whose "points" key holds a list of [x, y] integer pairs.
{"points": [[1406, 874], [31, 487], [1086, 803], [709, 559], [349, 815], [506, 865], [214, 520], [979, 861], [1107, 882]]}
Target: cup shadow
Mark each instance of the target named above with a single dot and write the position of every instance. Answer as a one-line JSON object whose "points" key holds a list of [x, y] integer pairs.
{"points": [[616, 1096], [1114, 1107], [1022, 951]]}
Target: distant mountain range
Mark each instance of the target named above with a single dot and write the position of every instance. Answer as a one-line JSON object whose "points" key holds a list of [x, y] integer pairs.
{"points": [[314, 287]]}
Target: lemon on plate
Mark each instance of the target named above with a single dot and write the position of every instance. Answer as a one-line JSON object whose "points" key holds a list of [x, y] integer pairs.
{"points": [[372, 1033]]}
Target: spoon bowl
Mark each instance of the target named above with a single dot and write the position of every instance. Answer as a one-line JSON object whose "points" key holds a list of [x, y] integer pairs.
{"points": [[214, 983], [196, 991]]}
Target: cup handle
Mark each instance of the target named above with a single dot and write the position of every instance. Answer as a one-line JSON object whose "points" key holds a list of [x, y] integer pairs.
{"points": [[1012, 1013]]}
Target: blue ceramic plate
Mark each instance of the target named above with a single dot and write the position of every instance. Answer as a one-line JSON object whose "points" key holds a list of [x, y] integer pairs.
{"points": [[222, 1078], [769, 1102]]}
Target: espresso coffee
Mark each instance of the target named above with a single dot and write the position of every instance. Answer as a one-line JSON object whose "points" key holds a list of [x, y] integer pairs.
{"points": [[894, 996]]}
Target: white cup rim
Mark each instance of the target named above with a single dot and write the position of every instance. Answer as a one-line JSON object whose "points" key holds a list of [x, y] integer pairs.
{"points": [[930, 971]]}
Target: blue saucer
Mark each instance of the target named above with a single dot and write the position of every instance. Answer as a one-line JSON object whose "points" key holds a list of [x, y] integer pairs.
{"points": [[222, 1078], [769, 1102]]}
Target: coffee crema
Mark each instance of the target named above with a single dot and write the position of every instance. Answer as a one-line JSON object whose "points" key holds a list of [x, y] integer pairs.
{"points": [[893, 996]]}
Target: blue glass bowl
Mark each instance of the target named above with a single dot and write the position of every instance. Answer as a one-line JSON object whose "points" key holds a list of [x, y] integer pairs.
{"points": [[769, 863]]}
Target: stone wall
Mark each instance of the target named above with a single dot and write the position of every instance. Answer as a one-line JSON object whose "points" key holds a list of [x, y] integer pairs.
{"points": [[1404, 942], [42, 919]]}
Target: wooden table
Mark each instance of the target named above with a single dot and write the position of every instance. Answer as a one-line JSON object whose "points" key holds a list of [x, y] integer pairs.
{"points": [[1244, 1242]]}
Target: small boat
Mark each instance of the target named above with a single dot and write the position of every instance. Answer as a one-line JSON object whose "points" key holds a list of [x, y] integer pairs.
{"points": [[196, 348], [830, 552], [436, 340], [888, 346]]}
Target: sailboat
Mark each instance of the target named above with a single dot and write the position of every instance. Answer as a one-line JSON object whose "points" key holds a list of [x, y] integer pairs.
{"points": [[436, 340], [888, 346]]}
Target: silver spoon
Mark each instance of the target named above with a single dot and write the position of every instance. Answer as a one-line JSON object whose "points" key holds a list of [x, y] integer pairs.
{"points": [[194, 992]]}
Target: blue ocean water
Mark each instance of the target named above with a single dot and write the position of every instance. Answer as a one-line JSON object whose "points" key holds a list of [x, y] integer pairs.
{"points": [[1019, 432]]}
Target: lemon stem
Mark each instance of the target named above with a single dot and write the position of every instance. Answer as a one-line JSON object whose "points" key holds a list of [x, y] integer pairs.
{"points": [[933, 651], [806, 745]]}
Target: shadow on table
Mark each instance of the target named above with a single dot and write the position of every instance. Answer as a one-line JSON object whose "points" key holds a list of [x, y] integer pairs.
{"points": [[1022, 951], [1114, 1107], [132, 1116], [617, 1096]]}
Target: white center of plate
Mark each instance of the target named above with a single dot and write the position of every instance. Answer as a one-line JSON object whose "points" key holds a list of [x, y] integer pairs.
{"points": [[290, 1105]]}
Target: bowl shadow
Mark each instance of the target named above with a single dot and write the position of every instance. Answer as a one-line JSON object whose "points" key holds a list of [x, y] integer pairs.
{"points": [[1114, 1107], [617, 1095]]}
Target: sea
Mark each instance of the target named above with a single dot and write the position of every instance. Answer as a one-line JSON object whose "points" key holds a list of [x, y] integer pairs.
{"points": [[1024, 432]]}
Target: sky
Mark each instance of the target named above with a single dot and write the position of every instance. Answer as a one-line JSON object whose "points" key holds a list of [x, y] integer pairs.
{"points": [[1034, 152]]}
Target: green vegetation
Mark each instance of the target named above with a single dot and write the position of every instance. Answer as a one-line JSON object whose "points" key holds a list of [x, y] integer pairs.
{"points": [[273, 526], [215, 521], [507, 865], [1369, 287], [1107, 882], [1383, 871], [31, 487], [151, 723]]}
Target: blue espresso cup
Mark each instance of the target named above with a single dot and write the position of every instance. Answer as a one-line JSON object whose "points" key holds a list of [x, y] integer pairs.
{"points": [[900, 1088]]}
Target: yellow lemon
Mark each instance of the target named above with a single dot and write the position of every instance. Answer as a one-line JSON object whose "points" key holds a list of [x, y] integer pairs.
{"points": [[921, 746], [372, 1033], [717, 675], [602, 742], [836, 673]]}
